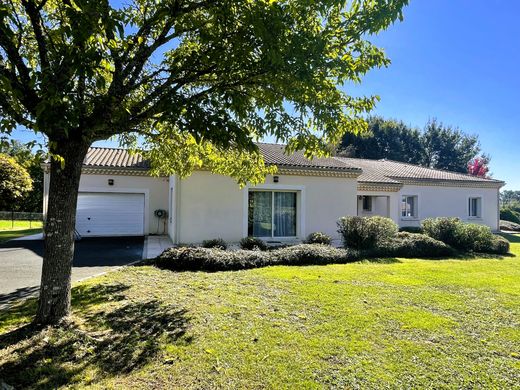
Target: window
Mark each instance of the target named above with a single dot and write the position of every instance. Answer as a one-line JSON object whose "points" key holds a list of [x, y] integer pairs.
{"points": [[272, 214], [475, 207], [409, 207], [367, 203]]}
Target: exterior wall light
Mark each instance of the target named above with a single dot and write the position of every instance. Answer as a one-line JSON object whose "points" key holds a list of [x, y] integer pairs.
{"points": [[110, 182], [275, 179]]}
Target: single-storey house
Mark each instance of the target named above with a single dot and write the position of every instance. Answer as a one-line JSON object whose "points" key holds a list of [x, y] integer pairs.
{"points": [[117, 197]]}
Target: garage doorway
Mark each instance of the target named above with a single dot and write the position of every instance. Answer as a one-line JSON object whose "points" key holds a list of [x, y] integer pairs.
{"points": [[110, 214]]}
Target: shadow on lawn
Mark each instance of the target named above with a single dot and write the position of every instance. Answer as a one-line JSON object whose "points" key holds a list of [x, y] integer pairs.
{"points": [[120, 338]]}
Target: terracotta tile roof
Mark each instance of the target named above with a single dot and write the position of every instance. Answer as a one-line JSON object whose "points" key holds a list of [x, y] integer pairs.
{"points": [[372, 171], [274, 154], [383, 170], [113, 158]]}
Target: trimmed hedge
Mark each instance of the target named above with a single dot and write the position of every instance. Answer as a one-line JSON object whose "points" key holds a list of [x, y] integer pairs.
{"points": [[215, 243], [468, 237], [213, 259], [509, 226], [253, 243], [366, 233], [318, 238], [414, 245], [510, 214]]}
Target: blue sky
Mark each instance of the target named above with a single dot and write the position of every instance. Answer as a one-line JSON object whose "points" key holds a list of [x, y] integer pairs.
{"points": [[458, 61]]}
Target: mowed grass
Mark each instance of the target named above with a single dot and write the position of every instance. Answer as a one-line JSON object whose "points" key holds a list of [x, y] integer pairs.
{"points": [[393, 323], [15, 229]]}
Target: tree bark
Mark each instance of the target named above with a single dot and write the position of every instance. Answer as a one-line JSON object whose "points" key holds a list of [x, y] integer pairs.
{"points": [[55, 296]]}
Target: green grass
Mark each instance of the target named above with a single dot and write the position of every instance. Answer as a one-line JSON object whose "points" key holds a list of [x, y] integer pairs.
{"points": [[16, 229], [390, 324], [19, 225]]}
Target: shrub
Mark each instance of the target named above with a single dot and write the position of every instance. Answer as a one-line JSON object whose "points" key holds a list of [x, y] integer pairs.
{"points": [[499, 246], [209, 259], [366, 233], [253, 243], [414, 245], [313, 254], [473, 237], [442, 229], [214, 259], [464, 236], [215, 243], [411, 229], [509, 226], [318, 238], [510, 214]]}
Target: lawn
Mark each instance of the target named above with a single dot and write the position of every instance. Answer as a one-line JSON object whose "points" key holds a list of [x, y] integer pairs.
{"points": [[392, 323], [16, 229]]}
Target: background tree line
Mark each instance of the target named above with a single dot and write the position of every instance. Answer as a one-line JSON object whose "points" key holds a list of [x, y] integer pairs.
{"points": [[436, 146], [22, 177]]}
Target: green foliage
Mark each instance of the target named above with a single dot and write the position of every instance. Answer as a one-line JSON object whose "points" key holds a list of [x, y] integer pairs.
{"points": [[509, 213], [499, 246], [366, 232], [437, 146], [23, 154], [464, 236], [318, 238], [442, 229], [253, 243], [196, 259], [414, 245], [508, 197], [15, 182], [509, 226], [215, 243], [196, 82]]}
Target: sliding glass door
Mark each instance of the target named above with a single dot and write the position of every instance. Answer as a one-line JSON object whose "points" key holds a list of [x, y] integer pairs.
{"points": [[272, 214]]}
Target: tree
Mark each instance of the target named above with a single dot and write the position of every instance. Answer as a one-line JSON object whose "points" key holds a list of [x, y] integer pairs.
{"points": [[509, 196], [15, 182], [388, 139], [23, 154], [448, 148], [437, 146], [197, 80], [479, 166]]}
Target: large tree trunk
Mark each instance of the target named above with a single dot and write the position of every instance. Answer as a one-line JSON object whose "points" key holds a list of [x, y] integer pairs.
{"points": [[54, 303]]}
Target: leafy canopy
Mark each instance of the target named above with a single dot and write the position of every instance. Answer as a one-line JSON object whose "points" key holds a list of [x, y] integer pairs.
{"points": [[195, 81], [15, 182], [436, 146]]}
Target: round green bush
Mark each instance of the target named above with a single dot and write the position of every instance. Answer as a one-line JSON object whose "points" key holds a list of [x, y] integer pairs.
{"points": [[509, 214], [499, 246], [253, 243], [215, 243], [414, 245], [366, 233], [442, 229], [318, 238]]}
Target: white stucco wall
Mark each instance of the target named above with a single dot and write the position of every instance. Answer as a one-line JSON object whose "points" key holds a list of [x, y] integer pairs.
{"points": [[155, 191], [211, 206], [450, 202]]}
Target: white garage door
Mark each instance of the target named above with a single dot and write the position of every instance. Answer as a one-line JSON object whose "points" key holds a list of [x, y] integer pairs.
{"points": [[110, 214]]}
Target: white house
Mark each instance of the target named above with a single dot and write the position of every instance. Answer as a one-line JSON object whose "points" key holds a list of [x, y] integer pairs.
{"points": [[117, 197]]}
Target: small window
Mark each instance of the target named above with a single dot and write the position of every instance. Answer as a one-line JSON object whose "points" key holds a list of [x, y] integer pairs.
{"points": [[475, 207], [367, 203], [409, 207]]}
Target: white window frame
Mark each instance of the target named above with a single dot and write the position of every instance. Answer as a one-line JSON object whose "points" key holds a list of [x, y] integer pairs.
{"points": [[479, 207], [300, 208], [415, 215]]}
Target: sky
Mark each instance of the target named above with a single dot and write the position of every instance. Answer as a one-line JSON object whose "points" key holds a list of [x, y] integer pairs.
{"points": [[457, 61]]}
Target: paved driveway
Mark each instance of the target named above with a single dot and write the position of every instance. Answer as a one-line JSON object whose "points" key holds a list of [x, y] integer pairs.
{"points": [[21, 262]]}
